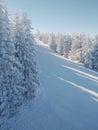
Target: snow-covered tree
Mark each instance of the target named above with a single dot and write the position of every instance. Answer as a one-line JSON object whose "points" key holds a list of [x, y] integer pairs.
{"points": [[67, 45], [8, 69], [45, 38], [51, 41], [85, 43], [60, 44], [37, 35], [25, 54], [29, 55], [95, 57], [75, 46], [91, 60]]}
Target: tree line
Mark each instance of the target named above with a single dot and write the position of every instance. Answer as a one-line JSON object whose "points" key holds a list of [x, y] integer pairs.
{"points": [[82, 48], [18, 66]]}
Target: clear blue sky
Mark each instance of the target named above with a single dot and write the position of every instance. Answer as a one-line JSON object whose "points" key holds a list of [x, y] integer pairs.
{"points": [[59, 15]]}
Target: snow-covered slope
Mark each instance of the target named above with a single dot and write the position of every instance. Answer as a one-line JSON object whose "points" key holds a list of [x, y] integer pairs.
{"points": [[66, 100]]}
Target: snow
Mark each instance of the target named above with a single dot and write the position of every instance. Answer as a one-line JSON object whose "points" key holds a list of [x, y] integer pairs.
{"points": [[67, 98]]}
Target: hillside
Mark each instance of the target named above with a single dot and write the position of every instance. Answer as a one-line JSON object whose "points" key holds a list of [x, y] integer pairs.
{"points": [[67, 98]]}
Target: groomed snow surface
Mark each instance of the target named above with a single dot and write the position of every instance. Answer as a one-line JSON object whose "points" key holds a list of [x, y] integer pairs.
{"points": [[67, 98]]}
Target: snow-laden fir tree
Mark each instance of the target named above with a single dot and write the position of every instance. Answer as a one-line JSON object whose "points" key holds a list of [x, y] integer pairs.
{"points": [[25, 54], [91, 60], [67, 45], [85, 42], [95, 59], [8, 69], [51, 41], [45, 37], [29, 55], [75, 46], [60, 44], [38, 34]]}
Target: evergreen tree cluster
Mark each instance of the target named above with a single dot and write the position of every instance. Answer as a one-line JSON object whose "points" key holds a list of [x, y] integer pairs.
{"points": [[82, 48], [18, 67]]}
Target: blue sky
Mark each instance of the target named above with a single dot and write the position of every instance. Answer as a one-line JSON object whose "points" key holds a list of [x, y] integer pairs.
{"points": [[59, 15]]}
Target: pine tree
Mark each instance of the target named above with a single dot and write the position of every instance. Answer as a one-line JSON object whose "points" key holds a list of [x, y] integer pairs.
{"points": [[91, 60], [95, 57], [29, 55], [75, 46], [51, 41], [8, 64], [37, 35], [67, 45], [25, 54], [85, 43], [60, 44]]}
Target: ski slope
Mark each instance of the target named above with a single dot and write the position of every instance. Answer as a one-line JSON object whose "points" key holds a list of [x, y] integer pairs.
{"points": [[67, 98]]}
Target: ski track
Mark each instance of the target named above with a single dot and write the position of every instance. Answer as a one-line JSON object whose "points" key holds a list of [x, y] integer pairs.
{"points": [[67, 98]]}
